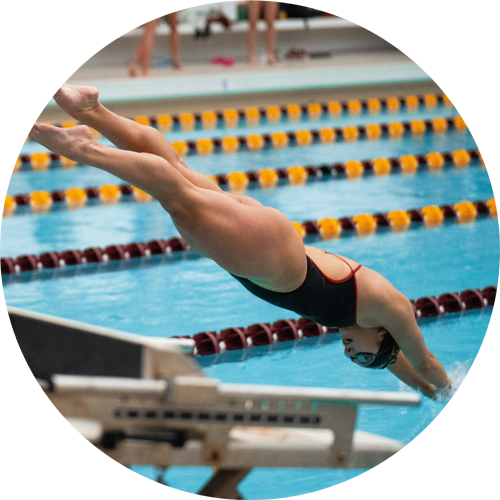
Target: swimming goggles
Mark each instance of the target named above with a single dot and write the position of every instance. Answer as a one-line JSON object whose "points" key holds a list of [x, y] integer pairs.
{"points": [[367, 358]]}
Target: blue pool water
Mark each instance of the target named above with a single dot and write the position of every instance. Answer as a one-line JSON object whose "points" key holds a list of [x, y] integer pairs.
{"points": [[183, 296]]}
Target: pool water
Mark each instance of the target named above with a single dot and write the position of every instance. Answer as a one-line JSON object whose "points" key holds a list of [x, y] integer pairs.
{"points": [[185, 295]]}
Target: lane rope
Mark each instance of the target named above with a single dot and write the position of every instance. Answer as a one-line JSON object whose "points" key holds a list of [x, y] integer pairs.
{"points": [[267, 178], [361, 225], [285, 330], [276, 140]]}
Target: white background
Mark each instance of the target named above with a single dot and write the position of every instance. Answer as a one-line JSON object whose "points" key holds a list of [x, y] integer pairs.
{"points": [[481, 483]]}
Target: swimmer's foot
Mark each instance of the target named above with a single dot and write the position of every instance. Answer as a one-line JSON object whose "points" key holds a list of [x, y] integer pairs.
{"points": [[78, 102], [72, 142]]}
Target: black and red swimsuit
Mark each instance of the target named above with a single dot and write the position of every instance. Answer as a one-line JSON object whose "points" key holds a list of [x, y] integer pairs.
{"points": [[320, 299]]}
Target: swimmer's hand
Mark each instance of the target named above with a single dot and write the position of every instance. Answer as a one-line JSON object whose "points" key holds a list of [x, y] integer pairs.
{"points": [[438, 394]]}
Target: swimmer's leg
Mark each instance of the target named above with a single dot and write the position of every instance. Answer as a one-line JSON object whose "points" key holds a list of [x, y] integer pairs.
{"points": [[251, 241], [82, 103]]}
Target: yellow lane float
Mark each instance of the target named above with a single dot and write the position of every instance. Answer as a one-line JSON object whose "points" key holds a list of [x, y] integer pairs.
{"points": [[273, 114], [374, 106], [334, 109], [141, 196], [208, 120], [439, 125], [165, 123], [373, 131], [204, 147], [252, 116], [327, 135], [255, 142], [187, 122], [396, 130], [381, 166], [350, 133], [365, 224], [400, 220], [238, 181], [303, 137], [329, 228], [297, 175], [354, 107], [300, 229], [40, 201], [75, 198], [9, 206], [430, 101], [461, 158], [412, 103], [354, 169], [393, 105], [466, 212], [459, 123], [268, 178], [143, 120], [493, 207], [279, 140], [17, 165], [294, 112], [109, 194], [230, 144], [315, 111], [433, 216], [40, 161], [231, 118], [409, 164], [446, 101], [435, 161], [418, 128], [66, 163], [181, 147]]}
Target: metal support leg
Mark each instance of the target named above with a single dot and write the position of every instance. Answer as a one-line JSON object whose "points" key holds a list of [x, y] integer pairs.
{"points": [[223, 484]]}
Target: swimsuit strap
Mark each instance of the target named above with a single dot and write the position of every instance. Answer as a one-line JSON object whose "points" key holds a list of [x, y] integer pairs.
{"points": [[353, 271]]}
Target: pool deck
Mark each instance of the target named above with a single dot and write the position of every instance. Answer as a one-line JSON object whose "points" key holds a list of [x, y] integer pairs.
{"points": [[342, 61]]}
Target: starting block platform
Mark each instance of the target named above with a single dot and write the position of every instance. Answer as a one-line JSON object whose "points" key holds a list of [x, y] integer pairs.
{"points": [[145, 401]]}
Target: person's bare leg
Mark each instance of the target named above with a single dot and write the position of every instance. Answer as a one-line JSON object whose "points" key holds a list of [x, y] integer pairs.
{"points": [[82, 104], [253, 17], [149, 41], [270, 11], [172, 20], [142, 57], [256, 242]]}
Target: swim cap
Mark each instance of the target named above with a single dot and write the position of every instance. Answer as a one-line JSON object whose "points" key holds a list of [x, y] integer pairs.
{"points": [[387, 353]]}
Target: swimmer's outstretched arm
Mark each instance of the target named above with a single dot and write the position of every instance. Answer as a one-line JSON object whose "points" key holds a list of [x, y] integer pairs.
{"points": [[395, 314], [380, 304], [405, 372]]}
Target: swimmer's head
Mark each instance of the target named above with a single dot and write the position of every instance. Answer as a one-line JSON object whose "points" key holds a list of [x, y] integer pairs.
{"points": [[369, 347]]}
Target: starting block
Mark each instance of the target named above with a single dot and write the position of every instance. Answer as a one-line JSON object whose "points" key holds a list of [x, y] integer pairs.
{"points": [[144, 400]]}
